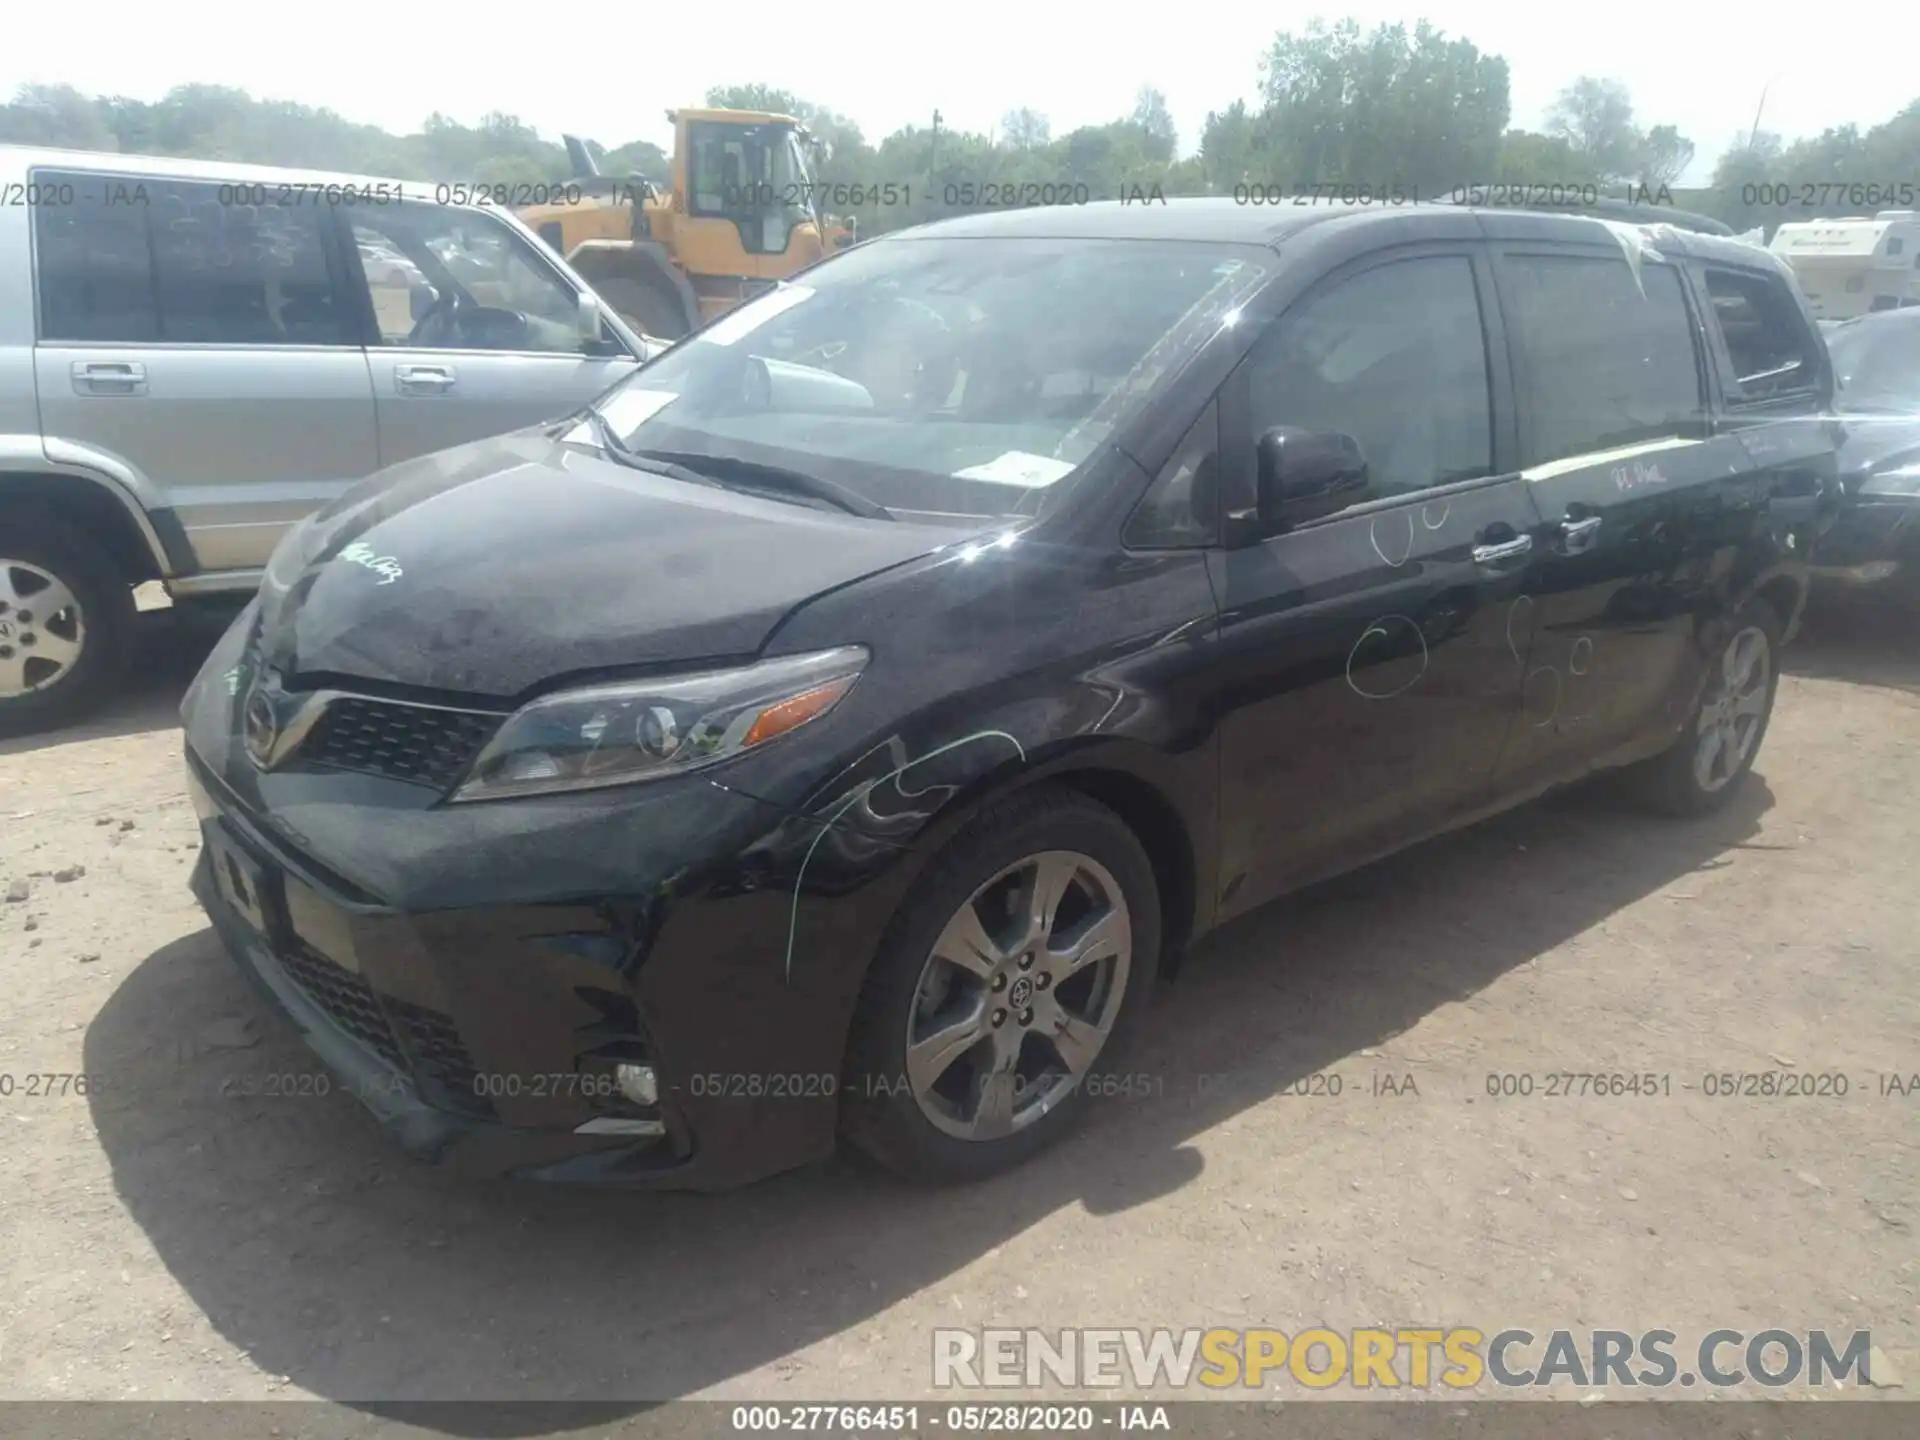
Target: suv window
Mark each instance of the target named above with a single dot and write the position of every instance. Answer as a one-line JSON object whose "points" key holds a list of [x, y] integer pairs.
{"points": [[93, 268], [450, 279], [1182, 508], [1766, 341], [217, 270], [1396, 358], [1608, 362]]}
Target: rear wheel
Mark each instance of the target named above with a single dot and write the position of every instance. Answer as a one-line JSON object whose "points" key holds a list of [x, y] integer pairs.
{"points": [[1706, 765], [65, 619], [1020, 962], [647, 308]]}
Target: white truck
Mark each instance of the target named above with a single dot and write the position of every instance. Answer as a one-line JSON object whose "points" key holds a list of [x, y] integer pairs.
{"points": [[1854, 265]]}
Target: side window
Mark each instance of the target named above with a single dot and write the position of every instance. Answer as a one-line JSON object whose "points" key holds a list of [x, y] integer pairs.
{"points": [[1396, 358], [716, 173], [227, 271], [1771, 351], [449, 279], [1182, 506], [94, 272], [1607, 362]]}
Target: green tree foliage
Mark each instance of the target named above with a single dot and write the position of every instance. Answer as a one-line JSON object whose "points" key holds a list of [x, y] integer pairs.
{"points": [[1392, 105]]}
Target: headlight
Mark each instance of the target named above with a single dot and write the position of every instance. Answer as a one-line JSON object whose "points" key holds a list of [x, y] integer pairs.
{"points": [[645, 729]]}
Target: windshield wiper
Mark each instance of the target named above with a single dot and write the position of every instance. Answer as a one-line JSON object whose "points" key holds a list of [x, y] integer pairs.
{"points": [[748, 474], [611, 442]]}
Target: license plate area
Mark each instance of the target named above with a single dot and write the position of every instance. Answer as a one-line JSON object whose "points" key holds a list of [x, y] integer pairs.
{"points": [[248, 886]]}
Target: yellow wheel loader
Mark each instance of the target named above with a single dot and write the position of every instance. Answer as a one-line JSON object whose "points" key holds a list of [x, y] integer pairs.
{"points": [[738, 214]]}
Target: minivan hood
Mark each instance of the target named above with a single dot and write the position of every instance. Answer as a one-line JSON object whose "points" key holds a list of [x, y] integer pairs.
{"points": [[490, 567]]}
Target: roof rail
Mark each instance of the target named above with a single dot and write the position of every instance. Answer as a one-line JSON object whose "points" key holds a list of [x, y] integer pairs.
{"points": [[1624, 211]]}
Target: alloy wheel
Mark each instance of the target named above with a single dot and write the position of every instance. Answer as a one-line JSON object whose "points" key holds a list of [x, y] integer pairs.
{"points": [[1019, 995], [42, 628], [1734, 709]]}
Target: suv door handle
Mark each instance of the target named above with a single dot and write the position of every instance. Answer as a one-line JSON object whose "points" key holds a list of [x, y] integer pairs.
{"points": [[1578, 535], [1502, 550], [423, 379], [109, 377]]}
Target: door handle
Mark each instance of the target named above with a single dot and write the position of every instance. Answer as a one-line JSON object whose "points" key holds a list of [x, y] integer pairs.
{"points": [[109, 377], [423, 379], [1502, 550], [1578, 535]]}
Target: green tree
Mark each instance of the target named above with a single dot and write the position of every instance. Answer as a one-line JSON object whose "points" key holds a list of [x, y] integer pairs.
{"points": [[1390, 106], [1665, 155], [1595, 118], [1025, 129]]}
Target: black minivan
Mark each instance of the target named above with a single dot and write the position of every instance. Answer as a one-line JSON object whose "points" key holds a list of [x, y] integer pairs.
{"points": [[838, 726]]}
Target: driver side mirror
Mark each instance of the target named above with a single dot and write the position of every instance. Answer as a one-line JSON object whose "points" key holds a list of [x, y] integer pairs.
{"points": [[587, 318], [420, 299], [1305, 474]]}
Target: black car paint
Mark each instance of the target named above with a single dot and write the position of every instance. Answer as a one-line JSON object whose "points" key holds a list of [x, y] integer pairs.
{"points": [[1873, 545], [1254, 709]]}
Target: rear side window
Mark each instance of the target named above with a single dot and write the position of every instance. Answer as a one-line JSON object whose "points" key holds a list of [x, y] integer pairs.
{"points": [[1767, 343], [148, 261], [1608, 362], [95, 273]]}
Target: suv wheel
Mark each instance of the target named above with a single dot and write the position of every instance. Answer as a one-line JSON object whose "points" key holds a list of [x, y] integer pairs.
{"points": [[1021, 960], [65, 619], [1705, 766]]}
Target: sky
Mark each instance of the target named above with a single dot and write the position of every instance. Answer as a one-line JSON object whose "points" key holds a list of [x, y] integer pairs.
{"points": [[611, 71]]}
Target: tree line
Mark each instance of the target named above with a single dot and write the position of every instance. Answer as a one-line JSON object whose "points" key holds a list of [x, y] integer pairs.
{"points": [[1393, 109]]}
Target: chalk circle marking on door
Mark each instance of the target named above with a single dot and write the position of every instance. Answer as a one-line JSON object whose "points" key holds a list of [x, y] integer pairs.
{"points": [[1513, 610], [1387, 627], [1406, 550]]}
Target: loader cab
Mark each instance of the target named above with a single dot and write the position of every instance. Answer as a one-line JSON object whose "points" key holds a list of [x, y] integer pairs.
{"points": [[750, 193]]}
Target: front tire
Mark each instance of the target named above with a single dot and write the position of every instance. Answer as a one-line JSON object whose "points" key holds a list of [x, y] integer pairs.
{"points": [[1021, 960], [1710, 761], [66, 619]]}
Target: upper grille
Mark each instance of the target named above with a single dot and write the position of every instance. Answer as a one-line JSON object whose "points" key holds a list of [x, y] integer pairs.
{"points": [[415, 743]]}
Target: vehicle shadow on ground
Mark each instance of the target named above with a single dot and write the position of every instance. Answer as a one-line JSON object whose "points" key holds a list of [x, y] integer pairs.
{"points": [[168, 648], [312, 1246], [1858, 643]]}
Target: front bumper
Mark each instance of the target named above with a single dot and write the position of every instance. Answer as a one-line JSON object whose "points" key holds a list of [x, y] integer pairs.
{"points": [[473, 974]]}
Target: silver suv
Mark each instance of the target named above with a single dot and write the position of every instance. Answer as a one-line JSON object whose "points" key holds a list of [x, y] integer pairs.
{"points": [[195, 355]]}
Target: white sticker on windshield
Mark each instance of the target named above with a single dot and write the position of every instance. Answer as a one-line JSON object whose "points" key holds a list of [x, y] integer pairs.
{"points": [[752, 315], [627, 410], [1016, 467]]}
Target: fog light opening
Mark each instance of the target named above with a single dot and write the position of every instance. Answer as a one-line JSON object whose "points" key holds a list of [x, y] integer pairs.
{"points": [[636, 1082]]}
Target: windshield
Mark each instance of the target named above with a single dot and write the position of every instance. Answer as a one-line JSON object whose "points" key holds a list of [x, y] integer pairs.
{"points": [[1878, 362], [943, 376]]}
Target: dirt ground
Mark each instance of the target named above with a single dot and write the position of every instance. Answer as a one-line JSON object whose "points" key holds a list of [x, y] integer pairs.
{"points": [[162, 1237]]}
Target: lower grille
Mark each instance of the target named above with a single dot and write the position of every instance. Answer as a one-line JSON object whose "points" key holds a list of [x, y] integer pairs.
{"points": [[439, 1057], [415, 743], [347, 999]]}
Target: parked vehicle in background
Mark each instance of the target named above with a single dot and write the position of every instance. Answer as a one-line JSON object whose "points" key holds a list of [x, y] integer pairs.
{"points": [[1874, 546], [1855, 265], [196, 355], [740, 211], [873, 694]]}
